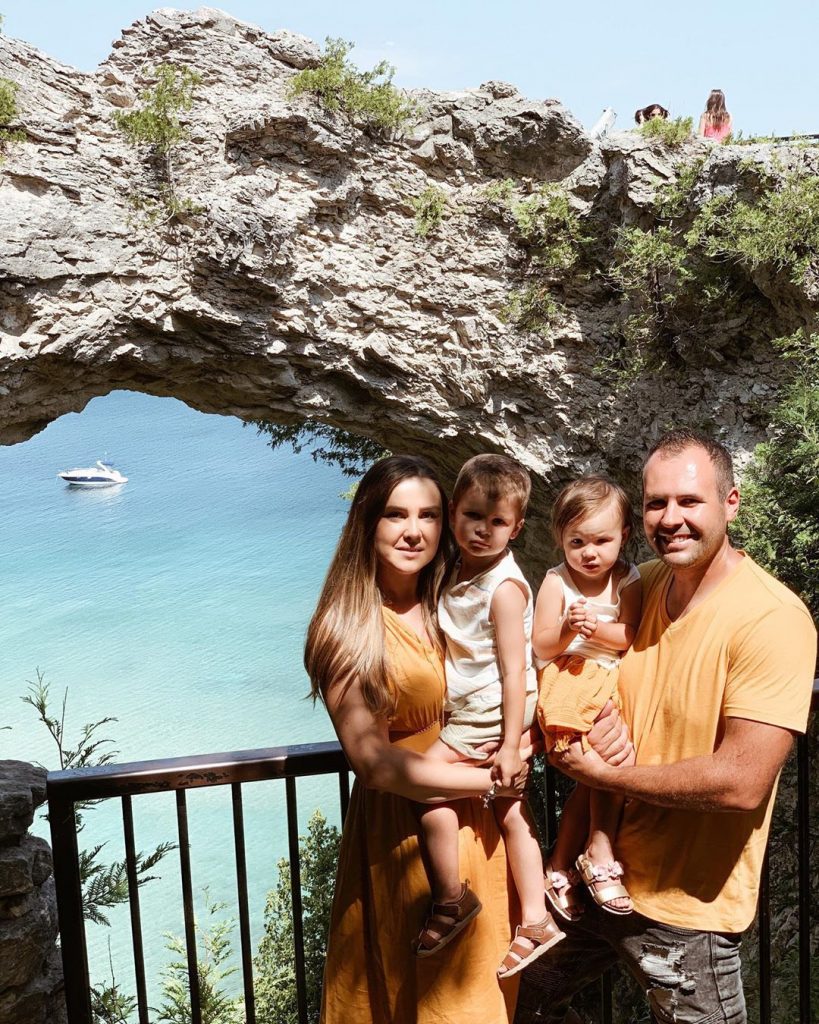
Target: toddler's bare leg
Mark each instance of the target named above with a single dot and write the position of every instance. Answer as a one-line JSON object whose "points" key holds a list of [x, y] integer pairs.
{"points": [[605, 810], [573, 830], [523, 854]]}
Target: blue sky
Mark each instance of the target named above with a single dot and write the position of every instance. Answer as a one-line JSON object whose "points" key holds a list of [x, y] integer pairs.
{"points": [[589, 55]]}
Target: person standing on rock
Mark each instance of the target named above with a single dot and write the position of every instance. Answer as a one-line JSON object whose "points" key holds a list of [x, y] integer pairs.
{"points": [[717, 681], [715, 122]]}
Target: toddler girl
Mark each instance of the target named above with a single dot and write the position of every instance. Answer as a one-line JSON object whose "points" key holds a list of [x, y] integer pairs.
{"points": [[486, 614], [587, 614]]}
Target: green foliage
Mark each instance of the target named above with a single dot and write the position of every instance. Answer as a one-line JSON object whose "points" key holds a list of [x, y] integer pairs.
{"points": [[548, 223], [532, 309], [109, 1005], [352, 453], [156, 122], [214, 952], [778, 522], [366, 97], [275, 959], [8, 112], [778, 228], [156, 125], [672, 134], [103, 885], [429, 208], [500, 193]]}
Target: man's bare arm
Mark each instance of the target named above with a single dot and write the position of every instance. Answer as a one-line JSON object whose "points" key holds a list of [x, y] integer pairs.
{"points": [[736, 777]]}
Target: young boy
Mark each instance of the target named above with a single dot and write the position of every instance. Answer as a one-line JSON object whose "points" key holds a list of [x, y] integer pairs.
{"points": [[486, 613]]}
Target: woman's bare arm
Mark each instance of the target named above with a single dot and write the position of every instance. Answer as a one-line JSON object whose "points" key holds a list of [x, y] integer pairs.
{"points": [[382, 765]]}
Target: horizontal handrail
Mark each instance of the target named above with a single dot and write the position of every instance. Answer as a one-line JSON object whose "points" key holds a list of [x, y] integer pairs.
{"points": [[197, 770]]}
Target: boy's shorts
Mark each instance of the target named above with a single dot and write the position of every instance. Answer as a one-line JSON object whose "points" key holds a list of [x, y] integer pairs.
{"points": [[472, 723]]}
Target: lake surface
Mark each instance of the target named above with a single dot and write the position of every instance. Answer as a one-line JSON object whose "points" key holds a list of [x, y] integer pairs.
{"points": [[177, 603]]}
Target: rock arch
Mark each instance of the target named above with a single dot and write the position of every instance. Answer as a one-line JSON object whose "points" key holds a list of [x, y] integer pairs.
{"points": [[302, 290]]}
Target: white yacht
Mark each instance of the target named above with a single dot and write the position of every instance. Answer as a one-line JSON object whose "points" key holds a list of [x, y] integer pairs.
{"points": [[101, 475]]}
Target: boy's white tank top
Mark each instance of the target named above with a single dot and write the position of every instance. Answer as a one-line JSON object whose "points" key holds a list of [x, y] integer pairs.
{"points": [[605, 612], [471, 653]]}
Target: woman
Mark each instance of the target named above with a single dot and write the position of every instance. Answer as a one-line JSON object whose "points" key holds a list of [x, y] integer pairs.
{"points": [[650, 112], [374, 656], [715, 122]]}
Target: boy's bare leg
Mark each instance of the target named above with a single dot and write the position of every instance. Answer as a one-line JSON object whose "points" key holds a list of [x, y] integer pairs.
{"points": [[523, 855], [439, 824]]}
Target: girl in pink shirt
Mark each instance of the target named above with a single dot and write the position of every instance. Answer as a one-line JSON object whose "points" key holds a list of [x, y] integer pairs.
{"points": [[715, 122]]}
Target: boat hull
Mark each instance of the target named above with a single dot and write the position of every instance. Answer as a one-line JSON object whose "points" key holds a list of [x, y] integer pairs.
{"points": [[94, 483]]}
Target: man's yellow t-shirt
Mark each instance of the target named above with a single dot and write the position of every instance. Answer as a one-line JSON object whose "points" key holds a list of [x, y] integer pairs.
{"points": [[748, 651]]}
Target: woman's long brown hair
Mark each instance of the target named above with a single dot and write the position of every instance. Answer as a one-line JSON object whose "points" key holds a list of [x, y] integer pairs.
{"points": [[345, 638], [715, 108]]}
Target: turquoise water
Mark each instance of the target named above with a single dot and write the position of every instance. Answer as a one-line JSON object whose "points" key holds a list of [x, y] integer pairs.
{"points": [[177, 603]]}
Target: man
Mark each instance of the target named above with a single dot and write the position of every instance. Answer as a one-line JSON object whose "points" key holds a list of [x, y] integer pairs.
{"points": [[717, 681]]}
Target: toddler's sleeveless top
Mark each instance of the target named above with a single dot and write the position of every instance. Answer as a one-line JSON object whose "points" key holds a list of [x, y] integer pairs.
{"points": [[605, 613], [471, 652]]}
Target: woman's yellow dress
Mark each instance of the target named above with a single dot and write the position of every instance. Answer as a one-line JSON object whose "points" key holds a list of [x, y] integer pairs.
{"points": [[382, 893]]}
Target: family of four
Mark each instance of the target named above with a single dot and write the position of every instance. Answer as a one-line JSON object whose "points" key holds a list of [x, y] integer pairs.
{"points": [[670, 692]]}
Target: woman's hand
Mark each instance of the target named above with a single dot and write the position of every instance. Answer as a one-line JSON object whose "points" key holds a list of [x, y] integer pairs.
{"points": [[609, 737]]}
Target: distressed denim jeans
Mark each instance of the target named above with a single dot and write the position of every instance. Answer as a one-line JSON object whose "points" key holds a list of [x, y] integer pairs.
{"points": [[689, 977]]}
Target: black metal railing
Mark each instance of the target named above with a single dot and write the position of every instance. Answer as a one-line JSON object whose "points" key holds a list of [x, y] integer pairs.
{"points": [[66, 789]]}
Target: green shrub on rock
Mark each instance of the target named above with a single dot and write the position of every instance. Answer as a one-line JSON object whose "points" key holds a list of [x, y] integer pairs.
{"points": [[548, 222], [156, 124], [672, 134], [8, 112], [429, 208], [364, 96], [778, 227]]}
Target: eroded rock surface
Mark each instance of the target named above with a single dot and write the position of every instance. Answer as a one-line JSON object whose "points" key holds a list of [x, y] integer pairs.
{"points": [[31, 983], [302, 289]]}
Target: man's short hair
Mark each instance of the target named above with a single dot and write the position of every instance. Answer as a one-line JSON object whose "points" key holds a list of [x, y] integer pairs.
{"points": [[496, 477], [676, 441]]}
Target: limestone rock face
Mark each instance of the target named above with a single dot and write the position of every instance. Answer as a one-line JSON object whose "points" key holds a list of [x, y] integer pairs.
{"points": [[31, 984], [302, 290]]}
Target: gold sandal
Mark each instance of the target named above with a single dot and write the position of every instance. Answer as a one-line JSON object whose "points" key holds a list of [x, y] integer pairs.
{"points": [[595, 874], [559, 887]]}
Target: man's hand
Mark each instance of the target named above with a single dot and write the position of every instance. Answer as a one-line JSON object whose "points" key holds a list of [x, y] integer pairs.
{"points": [[507, 766], [588, 768], [581, 618], [609, 736]]}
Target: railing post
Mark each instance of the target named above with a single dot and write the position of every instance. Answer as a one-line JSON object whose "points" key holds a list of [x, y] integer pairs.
{"points": [[69, 908], [803, 859]]}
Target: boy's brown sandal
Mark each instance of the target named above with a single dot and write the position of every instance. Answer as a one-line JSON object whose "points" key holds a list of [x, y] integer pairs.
{"points": [[542, 935], [446, 921]]}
